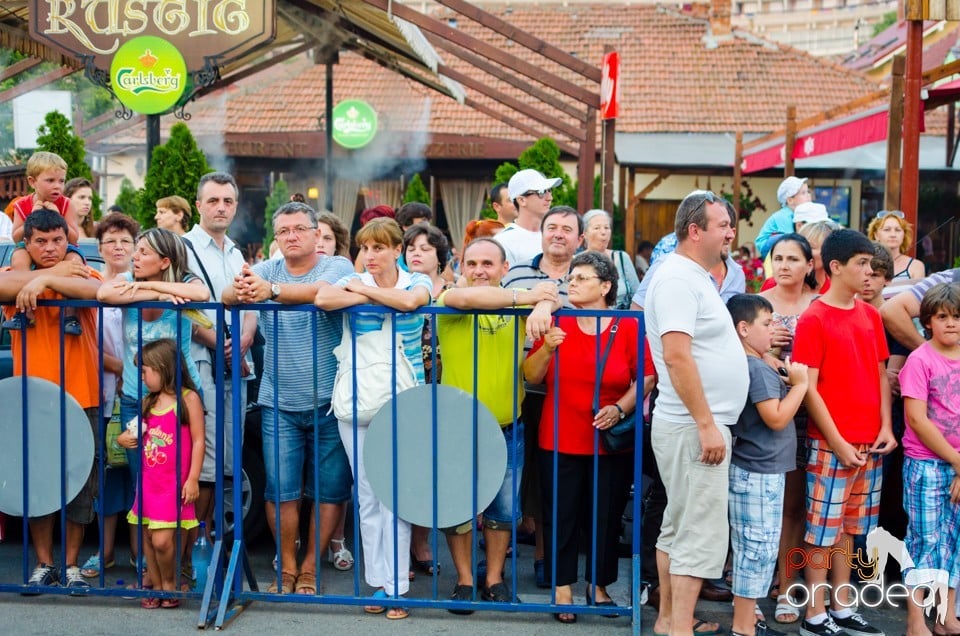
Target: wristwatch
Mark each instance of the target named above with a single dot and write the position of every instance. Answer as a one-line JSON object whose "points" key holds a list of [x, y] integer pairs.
{"points": [[274, 290], [620, 411]]}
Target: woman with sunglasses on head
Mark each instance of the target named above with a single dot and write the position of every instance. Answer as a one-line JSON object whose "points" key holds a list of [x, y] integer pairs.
{"points": [[568, 360], [383, 283], [890, 229], [597, 232]]}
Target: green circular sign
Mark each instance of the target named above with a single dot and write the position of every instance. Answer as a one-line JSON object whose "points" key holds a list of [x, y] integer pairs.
{"points": [[148, 75], [354, 123]]}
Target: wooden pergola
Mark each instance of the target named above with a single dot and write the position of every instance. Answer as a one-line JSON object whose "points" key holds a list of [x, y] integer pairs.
{"points": [[404, 40]]}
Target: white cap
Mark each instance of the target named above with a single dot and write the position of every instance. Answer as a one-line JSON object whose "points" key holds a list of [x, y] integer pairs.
{"points": [[529, 180], [810, 212], [789, 188]]}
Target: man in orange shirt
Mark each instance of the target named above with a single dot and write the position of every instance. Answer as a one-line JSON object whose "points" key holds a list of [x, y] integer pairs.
{"points": [[51, 277]]}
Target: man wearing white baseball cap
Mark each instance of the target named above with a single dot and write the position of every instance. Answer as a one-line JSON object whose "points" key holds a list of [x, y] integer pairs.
{"points": [[809, 212], [531, 194], [791, 193]]}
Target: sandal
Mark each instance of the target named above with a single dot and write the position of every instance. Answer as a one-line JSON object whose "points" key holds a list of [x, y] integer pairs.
{"points": [[287, 581], [785, 612], [306, 583], [150, 603], [397, 613], [170, 603], [342, 559], [376, 609], [92, 566]]}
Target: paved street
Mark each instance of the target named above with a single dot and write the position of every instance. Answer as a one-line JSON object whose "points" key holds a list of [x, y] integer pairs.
{"points": [[51, 614]]}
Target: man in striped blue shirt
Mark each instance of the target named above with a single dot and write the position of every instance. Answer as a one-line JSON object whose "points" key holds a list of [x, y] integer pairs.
{"points": [[295, 391]]}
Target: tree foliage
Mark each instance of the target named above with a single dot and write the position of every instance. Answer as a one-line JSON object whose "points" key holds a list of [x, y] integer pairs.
{"points": [[278, 196], [416, 191], [56, 135], [128, 199], [887, 20], [175, 168], [543, 155]]}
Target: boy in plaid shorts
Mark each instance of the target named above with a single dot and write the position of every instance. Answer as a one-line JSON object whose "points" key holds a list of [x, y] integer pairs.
{"points": [[930, 385], [764, 450], [841, 340]]}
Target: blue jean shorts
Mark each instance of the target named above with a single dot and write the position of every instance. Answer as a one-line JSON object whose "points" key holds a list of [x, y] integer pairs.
{"points": [[504, 510], [295, 434]]}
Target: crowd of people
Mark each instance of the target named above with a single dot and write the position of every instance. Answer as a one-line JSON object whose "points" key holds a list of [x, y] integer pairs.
{"points": [[775, 416]]}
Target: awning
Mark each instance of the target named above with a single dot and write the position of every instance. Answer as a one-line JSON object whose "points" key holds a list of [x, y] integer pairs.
{"points": [[851, 133]]}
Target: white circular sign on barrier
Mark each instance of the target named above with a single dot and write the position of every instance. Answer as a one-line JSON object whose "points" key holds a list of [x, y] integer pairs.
{"points": [[43, 446], [455, 456]]}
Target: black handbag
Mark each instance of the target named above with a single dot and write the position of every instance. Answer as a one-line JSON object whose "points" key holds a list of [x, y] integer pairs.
{"points": [[621, 436]]}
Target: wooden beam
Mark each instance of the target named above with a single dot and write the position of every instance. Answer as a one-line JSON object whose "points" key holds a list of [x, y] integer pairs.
{"points": [[513, 123], [36, 82], [607, 160], [517, 82], [498, 55], [790, 141], [586, 163], [19, 67], [737, 171], [19, 40], [523, 38], [650, 187], [256, 68], [124, 124], [576, 134], [832, 113], [940, 72], [912, 111]]}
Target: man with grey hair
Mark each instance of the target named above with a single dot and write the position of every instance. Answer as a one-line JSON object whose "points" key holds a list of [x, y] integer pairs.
{"points": [[702, 380], [216, 258], [295, 391]]}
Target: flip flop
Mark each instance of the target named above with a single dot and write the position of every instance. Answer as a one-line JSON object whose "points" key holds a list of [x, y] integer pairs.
{"points": [[92, 566], [170, 603], [397, 613], [710, 632], [376, 609], [150, 603]]}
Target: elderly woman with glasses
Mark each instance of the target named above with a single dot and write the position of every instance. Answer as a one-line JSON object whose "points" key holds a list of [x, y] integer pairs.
{"points": [[589, 366], [597, 232], [891, 230]]}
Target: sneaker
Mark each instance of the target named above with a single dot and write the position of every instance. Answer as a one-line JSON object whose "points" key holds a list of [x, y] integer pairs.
{"points": [[762, 629], [43, 575], [855, 625], [826, 628], [75, 581], [462, 593], [71, 326], [498, 593]]}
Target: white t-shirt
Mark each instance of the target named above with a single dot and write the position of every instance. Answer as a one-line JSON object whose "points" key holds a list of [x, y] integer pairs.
{"points": [[682, 297], [6, 227], [520, 244]]}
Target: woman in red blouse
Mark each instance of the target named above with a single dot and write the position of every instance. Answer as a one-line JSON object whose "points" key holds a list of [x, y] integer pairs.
{"points": [[567, 360]]}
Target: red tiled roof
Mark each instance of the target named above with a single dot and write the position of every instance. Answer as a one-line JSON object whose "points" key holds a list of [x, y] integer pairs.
{"points": [[675, 78]]}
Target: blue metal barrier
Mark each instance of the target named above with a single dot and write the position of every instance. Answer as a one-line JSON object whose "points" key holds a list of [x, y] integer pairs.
{"points": [[233, 584]]}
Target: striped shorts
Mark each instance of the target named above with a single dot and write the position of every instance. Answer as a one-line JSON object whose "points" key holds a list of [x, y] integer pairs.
{"points": [[933, 529], [840, 499], [756, 513]]}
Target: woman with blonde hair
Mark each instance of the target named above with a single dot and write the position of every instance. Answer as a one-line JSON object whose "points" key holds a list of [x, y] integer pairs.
{"points": [[173, 213], [890, 229]]}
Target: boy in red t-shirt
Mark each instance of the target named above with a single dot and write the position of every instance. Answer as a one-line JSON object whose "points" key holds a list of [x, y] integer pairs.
{"points": [[841, 340], [46, 174]]}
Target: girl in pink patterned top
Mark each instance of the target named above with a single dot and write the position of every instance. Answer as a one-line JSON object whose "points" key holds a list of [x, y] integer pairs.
{"points": [[173, 438]]}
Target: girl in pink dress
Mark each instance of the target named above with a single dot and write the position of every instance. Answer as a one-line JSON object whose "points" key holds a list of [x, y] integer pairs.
{"points": [[167, 499]]}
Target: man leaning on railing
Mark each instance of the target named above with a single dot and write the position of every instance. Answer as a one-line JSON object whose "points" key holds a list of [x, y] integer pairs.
{"points": [[52, 277]]}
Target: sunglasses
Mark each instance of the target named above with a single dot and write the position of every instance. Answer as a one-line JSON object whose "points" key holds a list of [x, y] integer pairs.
{"points": [[539, 193], [885, 213], [706, 195]]}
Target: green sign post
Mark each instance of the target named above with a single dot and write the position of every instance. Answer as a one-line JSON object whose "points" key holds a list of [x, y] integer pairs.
{"points": [[148, 75], [354, 123]]}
